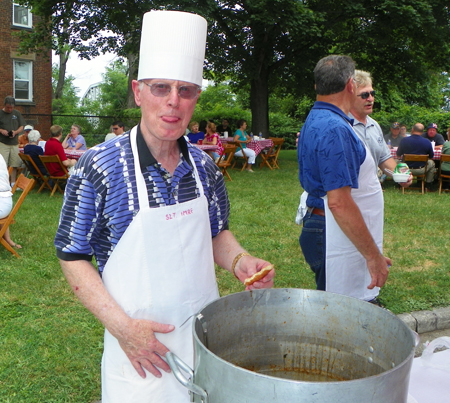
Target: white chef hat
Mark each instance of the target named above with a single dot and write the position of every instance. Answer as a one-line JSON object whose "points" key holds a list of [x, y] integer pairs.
{"points": [[172, 46]]}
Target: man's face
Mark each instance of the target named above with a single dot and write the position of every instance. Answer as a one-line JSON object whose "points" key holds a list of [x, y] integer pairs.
{"points": [[117, 130], [8, 108], [163, 118], [225, 123], [395, 131], [363, 107], [431, 132]]}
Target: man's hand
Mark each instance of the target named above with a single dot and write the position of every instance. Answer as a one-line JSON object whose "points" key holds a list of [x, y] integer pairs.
{"points": [[408, 183], [247, 266], [143, 349], [4, 132], [379, 270]]}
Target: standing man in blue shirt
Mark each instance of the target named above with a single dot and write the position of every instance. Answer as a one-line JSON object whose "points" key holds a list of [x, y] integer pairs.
{"points": [[344, 194], [154, 212]]}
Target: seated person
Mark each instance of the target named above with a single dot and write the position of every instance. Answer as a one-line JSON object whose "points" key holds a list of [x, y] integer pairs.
{"points": [[54, 147], [34, 151], [393, 138], [416, 144], [224, 127], [6, 203], [74, 140], [445, 166], [117, 129], [212, 138], [195, 135], [23, 138], [242, 137], [432, 135]]}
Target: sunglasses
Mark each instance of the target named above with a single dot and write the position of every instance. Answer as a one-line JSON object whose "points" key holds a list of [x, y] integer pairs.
{"points": [[366, 95], [184, 91]]}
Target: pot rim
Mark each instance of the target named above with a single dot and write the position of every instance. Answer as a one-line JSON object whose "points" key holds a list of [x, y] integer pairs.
{"points": [[406, 361]]}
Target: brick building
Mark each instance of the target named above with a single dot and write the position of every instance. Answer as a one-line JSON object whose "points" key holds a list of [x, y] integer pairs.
{"points": [[28, 78]]}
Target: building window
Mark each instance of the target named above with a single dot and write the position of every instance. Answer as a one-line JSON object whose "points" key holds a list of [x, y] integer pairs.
{"points": [[22, 16], [23, 80]]}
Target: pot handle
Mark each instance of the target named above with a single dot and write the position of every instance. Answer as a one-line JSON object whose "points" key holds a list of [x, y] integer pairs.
{"points": [[177, 365], [416, 338]]}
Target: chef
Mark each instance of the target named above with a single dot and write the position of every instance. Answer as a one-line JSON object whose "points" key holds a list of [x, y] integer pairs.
{"points": [[153, 211], [342, 233]]}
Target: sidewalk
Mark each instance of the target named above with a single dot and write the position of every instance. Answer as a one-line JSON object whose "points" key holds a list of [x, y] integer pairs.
{"points": [[429, 324]]}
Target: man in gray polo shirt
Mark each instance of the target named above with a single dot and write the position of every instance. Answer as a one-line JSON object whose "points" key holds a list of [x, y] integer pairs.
{"points": [[367, 129]]}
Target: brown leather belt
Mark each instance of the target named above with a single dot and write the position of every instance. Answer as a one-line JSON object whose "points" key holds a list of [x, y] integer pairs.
{"points": [[318, 211]]}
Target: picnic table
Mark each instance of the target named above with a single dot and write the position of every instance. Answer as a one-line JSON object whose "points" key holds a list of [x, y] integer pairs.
{"points": [[437, 153], [256, 145], [72, 154]]}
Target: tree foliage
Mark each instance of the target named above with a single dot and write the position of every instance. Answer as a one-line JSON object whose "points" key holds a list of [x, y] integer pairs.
{"points": [[68, 102], [112, 99], [271, 46]]}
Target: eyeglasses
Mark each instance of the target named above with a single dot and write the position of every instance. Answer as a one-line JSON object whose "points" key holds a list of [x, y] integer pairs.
{"points": [[115, 128], [365, 95], [184, 91]]}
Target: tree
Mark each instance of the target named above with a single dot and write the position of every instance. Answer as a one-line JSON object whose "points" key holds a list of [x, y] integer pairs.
{"points": [[68, 102], [274, 44], [113, 92]]}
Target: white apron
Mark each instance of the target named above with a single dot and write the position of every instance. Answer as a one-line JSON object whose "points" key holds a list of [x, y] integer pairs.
{"points": [[162, 269], [346, 269]]}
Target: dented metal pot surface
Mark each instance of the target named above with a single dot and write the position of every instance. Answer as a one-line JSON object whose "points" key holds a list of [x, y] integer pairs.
{"points": [[293, 345]]}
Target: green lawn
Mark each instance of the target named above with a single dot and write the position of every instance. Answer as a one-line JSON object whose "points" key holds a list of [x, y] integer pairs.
{"points": [[50, 347]]}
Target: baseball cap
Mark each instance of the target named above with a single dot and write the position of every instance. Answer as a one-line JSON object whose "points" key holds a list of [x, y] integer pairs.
{"points": [[432, 126], [395, 125], [28, 127]]}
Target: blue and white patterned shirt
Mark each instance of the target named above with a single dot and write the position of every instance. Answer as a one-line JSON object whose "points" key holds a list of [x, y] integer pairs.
{"points": [[329, 153], [101, 198]]}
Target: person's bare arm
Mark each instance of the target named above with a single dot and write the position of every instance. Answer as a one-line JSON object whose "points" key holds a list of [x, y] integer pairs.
{"points": [[349, 218], [78, 146], [65, 144], [135, 336], [391, 164], [69, 163], [226, 248]]}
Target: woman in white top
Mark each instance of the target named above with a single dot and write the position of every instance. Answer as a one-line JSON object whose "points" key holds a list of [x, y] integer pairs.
{"points": [[6, 199]]}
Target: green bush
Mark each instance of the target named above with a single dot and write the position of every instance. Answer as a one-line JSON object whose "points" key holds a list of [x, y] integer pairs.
{"points": [[409, 115]]}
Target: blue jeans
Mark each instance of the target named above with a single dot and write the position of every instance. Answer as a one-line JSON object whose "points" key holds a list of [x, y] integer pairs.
{"points": [[312, 242]]}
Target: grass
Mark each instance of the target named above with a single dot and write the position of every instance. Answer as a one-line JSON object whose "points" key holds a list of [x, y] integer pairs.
{"points": [[50, 346]]}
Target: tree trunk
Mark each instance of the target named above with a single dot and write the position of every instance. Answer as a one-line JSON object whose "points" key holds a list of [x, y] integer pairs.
{"points": [[63, 58], [259, 104], [132, 75]]}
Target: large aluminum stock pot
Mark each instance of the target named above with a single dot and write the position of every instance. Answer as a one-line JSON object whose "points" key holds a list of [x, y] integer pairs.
{"points": [[293, 345]]}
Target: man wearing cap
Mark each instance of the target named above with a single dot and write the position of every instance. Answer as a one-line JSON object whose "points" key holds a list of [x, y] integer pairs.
{"points": [[432, 135], [11, 125], [339, 174], [23, 138], [393, 138], [153, 210]]}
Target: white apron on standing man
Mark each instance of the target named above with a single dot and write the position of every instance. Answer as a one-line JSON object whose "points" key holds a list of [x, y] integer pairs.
{"points": [[346, 268], [162, 269]]}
